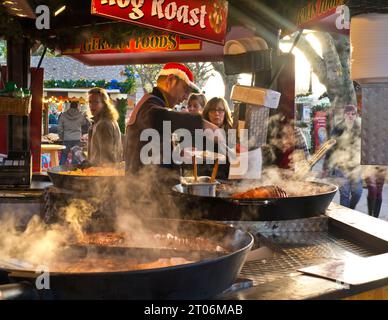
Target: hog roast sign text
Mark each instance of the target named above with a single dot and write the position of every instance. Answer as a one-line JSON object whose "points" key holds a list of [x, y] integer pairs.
{"points": [[202, 19]]}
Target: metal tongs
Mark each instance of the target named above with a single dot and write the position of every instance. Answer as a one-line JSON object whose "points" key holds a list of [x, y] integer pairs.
{"points": [[303, 168], [321, 152]]}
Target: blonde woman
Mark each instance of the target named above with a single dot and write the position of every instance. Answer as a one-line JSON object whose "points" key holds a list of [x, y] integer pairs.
{"points": [[104, 141], [217, 112], [196, 103]]}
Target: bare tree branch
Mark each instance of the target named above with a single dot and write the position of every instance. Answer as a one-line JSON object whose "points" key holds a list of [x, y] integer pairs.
{"points": [[317, 63], [202, 71], [333, 69], [147, 74]]}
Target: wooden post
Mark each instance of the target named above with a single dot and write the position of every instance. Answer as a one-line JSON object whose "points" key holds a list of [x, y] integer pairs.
{"points": [[36, 117], [286, 85], [18, 62], [3, 119], [45, 119]]}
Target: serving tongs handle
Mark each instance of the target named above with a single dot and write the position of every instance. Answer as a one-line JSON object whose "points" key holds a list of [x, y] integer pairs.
{"points": [[195, 167], [303, 168], [214, 172], [321, 152]]}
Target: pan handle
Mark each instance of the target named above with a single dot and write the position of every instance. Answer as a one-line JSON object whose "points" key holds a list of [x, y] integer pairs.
{"points": [[261, 203], [18, 291]]}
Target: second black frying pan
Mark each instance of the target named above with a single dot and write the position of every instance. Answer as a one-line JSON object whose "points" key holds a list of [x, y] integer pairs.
{"points": [[80, 183], [224, 208]]}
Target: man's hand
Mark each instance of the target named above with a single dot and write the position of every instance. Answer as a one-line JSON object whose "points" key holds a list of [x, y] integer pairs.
{"points": [[209, 125], [84, 138], [217, 134]]}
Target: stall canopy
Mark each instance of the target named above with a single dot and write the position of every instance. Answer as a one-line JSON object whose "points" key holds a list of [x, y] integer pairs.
{"points": [[265, 17], [76, 24]]}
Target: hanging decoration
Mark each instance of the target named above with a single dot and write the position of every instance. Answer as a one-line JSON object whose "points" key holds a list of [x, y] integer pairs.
{"points": [[125, 87]]}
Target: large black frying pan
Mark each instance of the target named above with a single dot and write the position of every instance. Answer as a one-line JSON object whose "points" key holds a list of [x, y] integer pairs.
{"points": [[224, 208], [205, 278], [78, 183]]}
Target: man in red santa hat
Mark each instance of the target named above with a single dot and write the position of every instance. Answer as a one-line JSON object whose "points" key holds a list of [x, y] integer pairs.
{"points": [[175, 83]]}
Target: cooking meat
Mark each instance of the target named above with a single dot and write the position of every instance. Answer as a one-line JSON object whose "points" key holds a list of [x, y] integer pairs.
{"points": [[103, 239], [262, 192], [96, 172], [162, 241]]}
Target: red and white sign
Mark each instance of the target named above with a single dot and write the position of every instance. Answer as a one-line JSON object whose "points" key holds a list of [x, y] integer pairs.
{"points": [[320, 131], [201, 19]]}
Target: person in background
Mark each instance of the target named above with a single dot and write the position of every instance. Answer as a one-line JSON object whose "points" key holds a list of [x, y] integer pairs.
{"points": [[294, 147], [69, 130], [343, 160], [218, 113], [104, 136], [287, 145], [375, 177], [196, 103], [183, 109], [53, 120], [53, 117], [85, 127]]}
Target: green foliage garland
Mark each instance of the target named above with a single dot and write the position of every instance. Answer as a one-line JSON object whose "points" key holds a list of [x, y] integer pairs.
{"points": [[124, 87], [122, 107]]}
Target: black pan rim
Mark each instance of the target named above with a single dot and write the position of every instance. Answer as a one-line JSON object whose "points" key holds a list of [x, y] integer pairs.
{"points": [[67, 168], [31, 273], [335, 188]]}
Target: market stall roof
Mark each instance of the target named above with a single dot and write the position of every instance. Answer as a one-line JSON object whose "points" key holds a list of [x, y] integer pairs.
{"points": [[245, 18], [65, 68], [263, 16]]}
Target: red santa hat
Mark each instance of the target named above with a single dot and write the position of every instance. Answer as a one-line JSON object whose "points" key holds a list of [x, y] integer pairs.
{"points": [[180, 71]]}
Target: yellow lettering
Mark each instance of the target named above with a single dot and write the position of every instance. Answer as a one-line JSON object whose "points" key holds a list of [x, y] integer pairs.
{"points": [[194, 17], [163, 42], [170, 11], [111, 2], [136, 13], [202, 17], [183, 14], [123, 3], [157, 8], [172, 42]]}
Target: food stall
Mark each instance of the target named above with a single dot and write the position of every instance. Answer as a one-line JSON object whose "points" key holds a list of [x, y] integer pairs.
{"points": [[292, 244]]}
